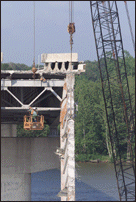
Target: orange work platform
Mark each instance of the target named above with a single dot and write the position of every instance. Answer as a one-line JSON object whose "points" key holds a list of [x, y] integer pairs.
{"points": [[29, 123]]}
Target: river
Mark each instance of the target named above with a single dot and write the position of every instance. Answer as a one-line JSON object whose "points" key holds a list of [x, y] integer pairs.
{"points": [[94, 182]]}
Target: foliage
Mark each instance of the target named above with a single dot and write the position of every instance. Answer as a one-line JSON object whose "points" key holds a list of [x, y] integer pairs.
{"points": [[17, 66], [90, 157], [91, 133], [21, 132], [14, 66]]}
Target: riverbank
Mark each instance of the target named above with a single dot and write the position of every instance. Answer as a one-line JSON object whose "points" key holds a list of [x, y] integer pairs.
{"points": [[93, 158], [82, 158], [94, 161]]}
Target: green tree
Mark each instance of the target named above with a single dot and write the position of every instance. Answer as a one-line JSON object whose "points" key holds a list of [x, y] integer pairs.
{"points": [[91, 130], [89, 122], [21, 132]]}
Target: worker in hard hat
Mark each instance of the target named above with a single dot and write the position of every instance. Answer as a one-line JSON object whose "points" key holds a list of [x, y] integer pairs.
{"points": [[33, 113]]}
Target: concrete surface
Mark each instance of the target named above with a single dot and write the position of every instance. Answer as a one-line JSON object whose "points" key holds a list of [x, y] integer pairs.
{"points": [[19, 158]]}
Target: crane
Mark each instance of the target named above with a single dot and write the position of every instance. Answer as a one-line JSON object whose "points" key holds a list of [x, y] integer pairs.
{"points": [[109, 47]]}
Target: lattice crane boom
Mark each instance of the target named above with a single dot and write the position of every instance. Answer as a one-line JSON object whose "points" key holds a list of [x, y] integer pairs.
{"points": [[109, 47]]}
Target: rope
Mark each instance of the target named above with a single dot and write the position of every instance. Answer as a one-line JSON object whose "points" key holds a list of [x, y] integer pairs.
{"points": [[130, 25]]}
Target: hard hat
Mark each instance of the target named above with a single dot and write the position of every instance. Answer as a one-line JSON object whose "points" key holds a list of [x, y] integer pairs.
{"points": [[34, 108]]}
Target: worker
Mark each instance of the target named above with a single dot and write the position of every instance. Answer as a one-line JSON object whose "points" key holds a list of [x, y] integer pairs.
{"points": [[33, 113]]}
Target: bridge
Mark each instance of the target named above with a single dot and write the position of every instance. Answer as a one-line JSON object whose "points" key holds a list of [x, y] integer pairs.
{"points": [[52, 92]]}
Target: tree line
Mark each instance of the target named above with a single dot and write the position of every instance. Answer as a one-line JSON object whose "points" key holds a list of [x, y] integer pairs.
{"points": [[91, 131], [16, 66]]}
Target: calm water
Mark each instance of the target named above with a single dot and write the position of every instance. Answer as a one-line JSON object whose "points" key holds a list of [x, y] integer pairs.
{"points": [[95, 182]]}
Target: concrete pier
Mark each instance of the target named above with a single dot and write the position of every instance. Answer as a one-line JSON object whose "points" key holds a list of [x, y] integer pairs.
{"points": [[16, 187], [67, 141], [19, 158]]}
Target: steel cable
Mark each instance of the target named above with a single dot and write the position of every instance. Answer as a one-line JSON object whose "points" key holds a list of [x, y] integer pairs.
{"points": [[132, 36]]}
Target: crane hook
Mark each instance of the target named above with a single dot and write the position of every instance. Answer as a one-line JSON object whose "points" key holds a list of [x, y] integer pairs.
{"points": [[34, 70]]}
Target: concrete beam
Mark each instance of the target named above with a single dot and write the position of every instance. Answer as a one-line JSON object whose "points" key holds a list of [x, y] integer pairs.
{"points": [[59, 57], [31, 83], [64, 68], [27, 107]]}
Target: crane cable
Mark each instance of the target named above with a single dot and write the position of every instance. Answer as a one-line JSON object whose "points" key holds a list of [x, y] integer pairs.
{"points": [[71, 28], [34, 68], [130, 24]]}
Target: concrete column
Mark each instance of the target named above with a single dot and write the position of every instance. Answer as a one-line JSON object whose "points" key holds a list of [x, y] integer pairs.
{"points": [[67, 141], [8, 130], [15, 169], [56, 67], [62, 142], [71, 137], [63, 67]]}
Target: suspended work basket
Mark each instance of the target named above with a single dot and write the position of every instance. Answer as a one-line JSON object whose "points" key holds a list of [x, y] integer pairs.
{"points": [[31, 124]]}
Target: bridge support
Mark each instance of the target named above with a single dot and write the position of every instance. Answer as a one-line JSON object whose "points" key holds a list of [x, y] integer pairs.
{"points": [[16, 187], [67, 141], [19, 158]]}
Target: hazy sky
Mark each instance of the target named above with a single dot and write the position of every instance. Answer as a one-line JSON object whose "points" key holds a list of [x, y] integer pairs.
{"points": [[52, 19]]}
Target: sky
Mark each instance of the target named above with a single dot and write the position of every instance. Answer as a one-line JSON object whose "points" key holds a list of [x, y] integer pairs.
{"points": [[51, 36]]}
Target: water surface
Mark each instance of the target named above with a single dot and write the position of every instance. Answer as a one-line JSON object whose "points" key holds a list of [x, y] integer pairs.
{"points": [[95, 182]]}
